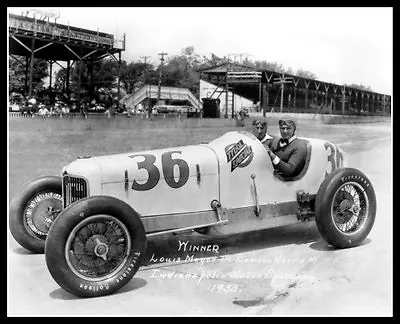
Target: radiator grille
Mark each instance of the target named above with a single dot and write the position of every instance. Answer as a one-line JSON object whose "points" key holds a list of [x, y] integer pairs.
{"points": [[74, 188]]}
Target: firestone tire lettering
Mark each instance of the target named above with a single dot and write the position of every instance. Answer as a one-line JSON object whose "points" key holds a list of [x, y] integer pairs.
{"points": [[323, 207], [59, 234]]}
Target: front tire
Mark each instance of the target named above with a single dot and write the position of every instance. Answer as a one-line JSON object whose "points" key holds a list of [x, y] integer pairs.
{"points": [[345, 208], [33, 210], [95, 246]]}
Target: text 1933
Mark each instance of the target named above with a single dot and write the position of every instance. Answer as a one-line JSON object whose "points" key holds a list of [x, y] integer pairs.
{"points": [[225, 288]]}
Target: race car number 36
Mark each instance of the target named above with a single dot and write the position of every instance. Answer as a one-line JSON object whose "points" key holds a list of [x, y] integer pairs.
{"points": [[335, 158], [168, 164]]}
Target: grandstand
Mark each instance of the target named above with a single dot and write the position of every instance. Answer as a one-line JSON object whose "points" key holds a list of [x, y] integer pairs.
{"points": [[279, 92], [34, 38]]}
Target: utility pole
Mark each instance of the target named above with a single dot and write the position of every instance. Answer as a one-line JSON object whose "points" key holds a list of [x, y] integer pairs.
{"points": [[159, 80], [282, 80], [145, 66], [145, 58], [344, 99], [384, 105], [226, 90]]}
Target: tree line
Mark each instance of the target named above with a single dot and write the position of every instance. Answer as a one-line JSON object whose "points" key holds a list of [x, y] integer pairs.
{"points": [[98, 79]]}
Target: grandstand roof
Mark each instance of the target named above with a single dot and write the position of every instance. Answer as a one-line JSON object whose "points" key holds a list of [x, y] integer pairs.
{"points": [[53, 41], [215, 74]]}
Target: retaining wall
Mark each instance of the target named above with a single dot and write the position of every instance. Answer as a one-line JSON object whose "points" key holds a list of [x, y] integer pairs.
{"points": [[101, 121], [302, 119]]}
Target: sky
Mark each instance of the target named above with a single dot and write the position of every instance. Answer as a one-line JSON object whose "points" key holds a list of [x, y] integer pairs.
{"points": [[342, 45]]}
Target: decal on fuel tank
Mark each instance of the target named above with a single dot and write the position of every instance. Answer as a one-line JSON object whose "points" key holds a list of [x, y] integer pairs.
{"points": [[239, 154]]}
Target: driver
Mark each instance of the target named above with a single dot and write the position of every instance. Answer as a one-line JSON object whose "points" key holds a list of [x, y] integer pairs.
{"points": [[260, 131], [288, 153]]}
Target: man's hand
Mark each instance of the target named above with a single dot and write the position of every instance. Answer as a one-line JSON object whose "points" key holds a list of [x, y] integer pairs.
{"points": [[271, 154]]}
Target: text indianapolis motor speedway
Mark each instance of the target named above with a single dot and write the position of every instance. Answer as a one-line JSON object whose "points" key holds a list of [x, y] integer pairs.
{"points": [[270, 274]]}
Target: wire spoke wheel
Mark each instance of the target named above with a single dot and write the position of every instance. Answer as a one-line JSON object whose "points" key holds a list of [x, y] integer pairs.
{"points": [[98, 247], [345, 208], [33, 211], [95, 246], [40, 212], [349, 207]]}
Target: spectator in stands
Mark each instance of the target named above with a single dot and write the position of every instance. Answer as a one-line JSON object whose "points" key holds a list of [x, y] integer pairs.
{"points": [[33, 106], [107, 112], [83, 110], [57, 108], [25, 107], [127, 110], [64, 109], [43, 111], [288, 153], [260, 131]]}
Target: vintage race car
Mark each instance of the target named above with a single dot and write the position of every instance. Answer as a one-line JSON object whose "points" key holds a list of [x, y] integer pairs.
{"points": [[93, 222]]}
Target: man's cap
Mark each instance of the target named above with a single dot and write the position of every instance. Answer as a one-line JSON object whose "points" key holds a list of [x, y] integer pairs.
{"points": [[261, 122], [287, 122]]}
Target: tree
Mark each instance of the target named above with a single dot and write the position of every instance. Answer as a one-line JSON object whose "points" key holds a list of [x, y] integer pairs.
{"points": [[289, 71], [271, 66], [104, 74], [194, 60], [306, 74], [134, 75], [89, 77], [206, 62], [181, 70], [17, 75], [359, 87], [60, 80]]}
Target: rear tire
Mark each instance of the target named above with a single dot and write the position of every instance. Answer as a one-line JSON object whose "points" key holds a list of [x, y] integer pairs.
{"points": [[345, 208], [29, 215], [95, 246]]}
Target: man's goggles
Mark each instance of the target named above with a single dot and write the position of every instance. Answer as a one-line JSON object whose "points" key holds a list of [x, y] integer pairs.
{"points": [[287, 122], [261, 123]]}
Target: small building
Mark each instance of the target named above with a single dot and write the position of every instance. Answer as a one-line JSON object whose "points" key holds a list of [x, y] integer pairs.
{"points": [[212, 93], [147, 97]]}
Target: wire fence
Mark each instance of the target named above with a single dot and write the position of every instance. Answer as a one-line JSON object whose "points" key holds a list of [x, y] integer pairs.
{"points": [[95, 115]]}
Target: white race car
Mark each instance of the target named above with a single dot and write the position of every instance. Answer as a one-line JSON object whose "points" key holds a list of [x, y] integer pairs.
{"points": [[94, 221]]}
